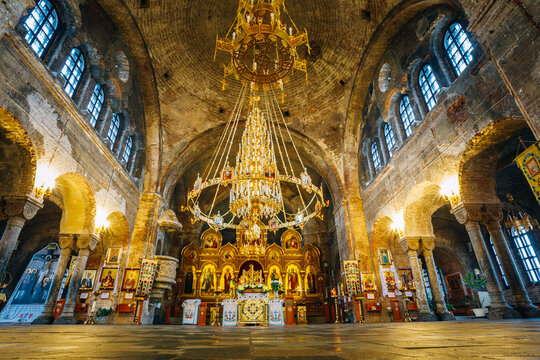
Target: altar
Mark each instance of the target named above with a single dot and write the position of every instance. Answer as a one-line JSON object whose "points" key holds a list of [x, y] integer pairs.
{"points": [[253, 308]]}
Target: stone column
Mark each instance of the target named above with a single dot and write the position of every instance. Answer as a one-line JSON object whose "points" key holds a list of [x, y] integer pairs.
{"points": [[469, 216], [85, 243], [67, 244], [521, 297], [165, 280], [434, 280], [18, 209], [410, 246]]}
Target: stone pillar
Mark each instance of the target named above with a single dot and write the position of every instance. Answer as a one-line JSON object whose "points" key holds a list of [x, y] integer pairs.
{"points": [[434, 280], [18, 209], [67, 244], [521, 297], [410, 247], [85, 243], [469, 215], [165, 280]]}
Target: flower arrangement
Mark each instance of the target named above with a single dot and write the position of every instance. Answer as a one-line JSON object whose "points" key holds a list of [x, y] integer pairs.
{"points": [[104, 311], [276, 285], [242, 288]]}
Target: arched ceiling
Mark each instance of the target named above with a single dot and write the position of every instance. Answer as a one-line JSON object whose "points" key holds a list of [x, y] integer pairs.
{"points": [[180, 37]]}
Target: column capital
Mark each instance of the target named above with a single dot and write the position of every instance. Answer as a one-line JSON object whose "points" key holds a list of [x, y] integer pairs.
{"points": [[24, 207], [428, 242], [87, 241], [466, 212], [493, 213], [409, 243]]}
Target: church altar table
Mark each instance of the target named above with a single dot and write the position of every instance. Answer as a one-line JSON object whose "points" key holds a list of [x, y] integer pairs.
{"points": [[191, 311], [230, 312], [275, 312], [253, 308]]}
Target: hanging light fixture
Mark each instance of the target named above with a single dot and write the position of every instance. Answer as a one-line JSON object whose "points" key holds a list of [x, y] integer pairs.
{"points": [[518, 218], [263, 53]]}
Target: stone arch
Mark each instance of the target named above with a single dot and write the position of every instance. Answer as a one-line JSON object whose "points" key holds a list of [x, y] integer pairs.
{"points": [[478, 163], [422, 201], [118, 229], [382, 233], [78, 203], [18, 164]]}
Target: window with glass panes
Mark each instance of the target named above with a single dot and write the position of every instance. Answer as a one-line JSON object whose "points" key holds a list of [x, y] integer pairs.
{"points": [[407, 115], [96, 103], [375, 155], [72, 71], [428, 86], [41, 25], [458, 47], [389, 137], [127, 149], [113, 129], [527, 254], [427, 284], [499, 265]]}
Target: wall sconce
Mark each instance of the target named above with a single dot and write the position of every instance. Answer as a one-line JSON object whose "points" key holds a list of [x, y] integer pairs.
{"points": [[450, 189], [101, 223], [45, 181], [398, 224]]}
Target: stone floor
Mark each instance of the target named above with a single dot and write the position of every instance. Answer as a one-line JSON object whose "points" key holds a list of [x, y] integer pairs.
{"points": [[449, 340]]}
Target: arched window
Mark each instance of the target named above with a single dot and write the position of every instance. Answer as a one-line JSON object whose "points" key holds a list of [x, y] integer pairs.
{"points": [[429, 86], [389, 137], [527, 254], [375, 155], [407, 115], [127, 149], [458, 47], [113, 129], [72, 71], [498, 262], [96, 103], [41, 26]]}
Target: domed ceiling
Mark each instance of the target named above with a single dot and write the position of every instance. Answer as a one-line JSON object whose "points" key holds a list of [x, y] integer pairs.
{"points": [[180, 36]]}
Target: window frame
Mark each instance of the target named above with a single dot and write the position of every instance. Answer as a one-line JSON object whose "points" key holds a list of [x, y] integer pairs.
{"points": [[389, 134], [498, 263], [375, 156], [127, 150], [451, 38], [114, 128], [410, 116], [94, 102], [433, 87], [527, 254], [32, 37], [75, 70]]}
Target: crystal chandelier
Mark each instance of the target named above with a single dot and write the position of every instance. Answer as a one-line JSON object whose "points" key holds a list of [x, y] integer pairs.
{"points": [[263, 52]]}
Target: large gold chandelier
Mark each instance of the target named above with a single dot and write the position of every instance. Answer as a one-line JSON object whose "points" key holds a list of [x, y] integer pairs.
{"points": [[262, 52], [262, 46]]}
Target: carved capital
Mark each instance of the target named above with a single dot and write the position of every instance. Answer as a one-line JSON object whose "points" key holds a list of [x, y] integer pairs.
{"points": [[67, 241], [410, 243], [494, 213], [87, 241], [465, 213], [167, 269], [428, 242], [24, 207]]}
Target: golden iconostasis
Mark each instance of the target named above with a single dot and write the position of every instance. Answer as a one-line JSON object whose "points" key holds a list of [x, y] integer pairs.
{"points": [[214, 266]]}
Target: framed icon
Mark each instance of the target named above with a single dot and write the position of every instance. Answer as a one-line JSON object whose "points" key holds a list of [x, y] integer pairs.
{"points": [[113, 255]]}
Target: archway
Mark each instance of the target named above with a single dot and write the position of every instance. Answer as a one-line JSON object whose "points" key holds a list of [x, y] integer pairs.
{"points": [[78, 202]]}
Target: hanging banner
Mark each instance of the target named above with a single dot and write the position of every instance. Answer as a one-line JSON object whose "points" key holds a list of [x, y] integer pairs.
{"points": [[529, 163], [146, 279], [352, 277]]}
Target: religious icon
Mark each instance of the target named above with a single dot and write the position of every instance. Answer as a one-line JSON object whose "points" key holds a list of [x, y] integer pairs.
{"points": [[228, 255], [191, 255], [274, 275], [113, 255], [218, 220], [384, 257], [197, 184], [368, 281], [274, 256], [299, 218], [312, 285], [87, 282], [188, 284], [108, 278], [131, 277], [227, 277], [405, 276], [211, 242], [208, 280], [309, 256], [389, 279], [306, 179], [533, 167], [291, 243], [293, 281], [227, 174], [273, 224], [269, 173], [197, 211]]}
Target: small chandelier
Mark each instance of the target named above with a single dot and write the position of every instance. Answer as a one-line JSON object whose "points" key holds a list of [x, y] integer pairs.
{"points": [[262, 46], [517, 218]]}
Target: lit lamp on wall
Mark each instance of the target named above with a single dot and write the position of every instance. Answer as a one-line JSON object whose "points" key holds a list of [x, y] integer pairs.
{"points": [[101, 223], [398, 224], [450, 190], [45, 181]]}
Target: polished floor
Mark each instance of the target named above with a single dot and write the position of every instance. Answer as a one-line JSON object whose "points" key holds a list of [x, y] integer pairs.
{"points": [[449, 340]]}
